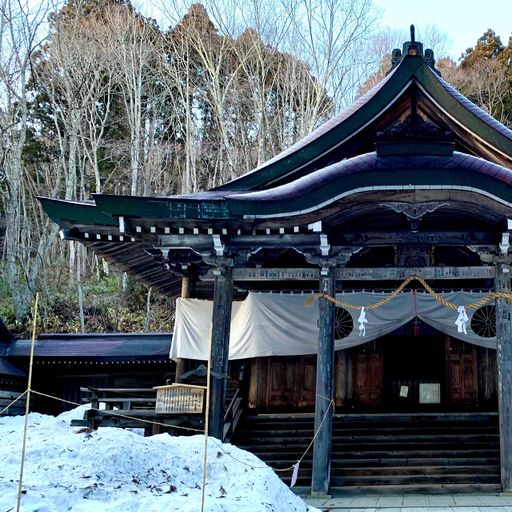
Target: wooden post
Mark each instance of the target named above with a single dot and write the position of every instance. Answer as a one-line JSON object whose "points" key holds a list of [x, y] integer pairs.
{"points": [[504, 366], [180, 362], [221, 326], [324, 388]]}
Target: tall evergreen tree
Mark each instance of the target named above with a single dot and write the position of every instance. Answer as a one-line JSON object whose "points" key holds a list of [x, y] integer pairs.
{"points": [[486, 75]]}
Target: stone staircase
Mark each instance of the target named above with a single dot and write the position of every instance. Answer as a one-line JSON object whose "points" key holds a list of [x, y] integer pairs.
{"points": [[386, 453]]}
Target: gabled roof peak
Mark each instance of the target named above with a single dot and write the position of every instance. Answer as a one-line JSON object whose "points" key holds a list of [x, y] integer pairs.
{"points": [[414, 135], [414, 48]]}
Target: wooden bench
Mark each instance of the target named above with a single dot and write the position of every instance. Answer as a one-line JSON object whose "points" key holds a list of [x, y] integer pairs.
{"points": [[7, 397], [126, 407]]}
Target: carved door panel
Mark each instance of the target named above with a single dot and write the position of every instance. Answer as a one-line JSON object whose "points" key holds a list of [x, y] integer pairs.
{"points": [[291, 382], [307, 394], [462, 372], [281, 382], [367, 376]]}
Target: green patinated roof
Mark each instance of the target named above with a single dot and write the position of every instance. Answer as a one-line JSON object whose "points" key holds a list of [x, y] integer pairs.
{"points": [[371, 172], [365, 172], [413, 71], [298, 179], [176, 207], [67, 213]]}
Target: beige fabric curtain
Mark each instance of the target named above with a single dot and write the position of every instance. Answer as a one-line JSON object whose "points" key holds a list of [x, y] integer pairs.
{"points": [[267, 324]]}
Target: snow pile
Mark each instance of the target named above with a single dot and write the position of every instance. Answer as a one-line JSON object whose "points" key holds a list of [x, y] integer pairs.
{"points": [[118, 470]]}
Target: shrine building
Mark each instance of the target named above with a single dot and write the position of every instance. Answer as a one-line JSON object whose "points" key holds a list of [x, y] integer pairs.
{"points": [[361, 281]]}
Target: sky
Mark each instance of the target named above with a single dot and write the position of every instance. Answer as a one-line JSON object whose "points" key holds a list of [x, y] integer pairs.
{"points": [[463, 20]]}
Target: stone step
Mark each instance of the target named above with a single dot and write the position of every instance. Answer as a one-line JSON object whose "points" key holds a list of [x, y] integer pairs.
{"points": [[381, 442], [424, 479], [373, 453], [284, 459], [375, 490]]}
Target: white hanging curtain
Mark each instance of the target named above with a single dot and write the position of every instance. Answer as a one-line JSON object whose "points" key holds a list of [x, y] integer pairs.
{"points": [[267, 324]]}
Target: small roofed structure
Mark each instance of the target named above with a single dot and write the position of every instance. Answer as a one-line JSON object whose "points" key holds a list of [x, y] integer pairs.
{"points": [[64, 363], [12, 378]]}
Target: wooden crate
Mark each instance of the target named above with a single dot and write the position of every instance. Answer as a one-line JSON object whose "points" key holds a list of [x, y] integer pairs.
{"points": [[179, 399]]}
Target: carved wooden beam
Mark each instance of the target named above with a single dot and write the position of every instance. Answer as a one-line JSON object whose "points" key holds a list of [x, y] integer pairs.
{"points": [[451, 238], [358, 274], [400, 273], [367, 239]]}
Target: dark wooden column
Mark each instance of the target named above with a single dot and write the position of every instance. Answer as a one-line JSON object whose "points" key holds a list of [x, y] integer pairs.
{"points": [[324, 388], [181, 362], [221, 326], [504, 365]]}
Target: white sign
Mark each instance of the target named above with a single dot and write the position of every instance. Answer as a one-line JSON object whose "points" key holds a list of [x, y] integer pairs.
{"points": [[430, 393], [404, 391]]}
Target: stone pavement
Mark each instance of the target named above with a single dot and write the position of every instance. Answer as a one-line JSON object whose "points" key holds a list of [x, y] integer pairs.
{"points": [[414, 503]]}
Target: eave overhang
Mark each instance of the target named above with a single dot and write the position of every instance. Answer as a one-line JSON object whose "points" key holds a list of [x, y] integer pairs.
{"points": [[309, 193], [371, 172], [158, 246], [101, 223]]}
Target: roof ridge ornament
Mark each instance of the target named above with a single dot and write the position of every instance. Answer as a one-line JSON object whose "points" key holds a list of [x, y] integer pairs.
{"points": [[413, 48]]}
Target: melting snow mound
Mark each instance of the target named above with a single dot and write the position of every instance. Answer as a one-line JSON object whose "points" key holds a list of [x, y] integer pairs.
{"points": [[117, 470]]}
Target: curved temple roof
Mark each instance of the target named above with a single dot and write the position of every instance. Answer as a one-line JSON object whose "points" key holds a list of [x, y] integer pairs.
{"points": [[371, 172], [335, 162], [490, 138], [308, 193]]}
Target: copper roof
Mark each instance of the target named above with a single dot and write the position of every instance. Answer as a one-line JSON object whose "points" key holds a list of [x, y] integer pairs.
{"points": [[116, 345], [371, 161]]}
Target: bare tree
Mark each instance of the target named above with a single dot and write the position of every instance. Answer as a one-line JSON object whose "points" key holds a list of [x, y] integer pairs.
{"points": [[239, 99], [20, 24], [96, 95], [73, 76], [179, 88], [330, 37], [133, 42], [487, 84], [384, 41]]}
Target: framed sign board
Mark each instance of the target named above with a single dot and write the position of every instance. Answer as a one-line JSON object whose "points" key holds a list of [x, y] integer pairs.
{"points": [[179, 399], [430, 393]]}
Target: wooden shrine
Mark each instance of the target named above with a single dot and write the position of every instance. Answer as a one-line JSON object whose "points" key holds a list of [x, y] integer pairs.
{"points": [[411, 180]]}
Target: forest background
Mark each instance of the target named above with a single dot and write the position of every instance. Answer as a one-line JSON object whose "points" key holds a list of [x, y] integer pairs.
{"points": [[96, 96]]}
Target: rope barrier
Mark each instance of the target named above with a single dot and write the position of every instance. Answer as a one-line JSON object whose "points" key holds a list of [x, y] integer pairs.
{"points": [[120, 415], [213, 440], [289, 468], [307, 302], [438, 297]]}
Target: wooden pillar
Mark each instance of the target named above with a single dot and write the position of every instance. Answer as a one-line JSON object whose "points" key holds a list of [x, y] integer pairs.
{"points": [[181, 362], [324, 388], [504, 366], [221, 326]]}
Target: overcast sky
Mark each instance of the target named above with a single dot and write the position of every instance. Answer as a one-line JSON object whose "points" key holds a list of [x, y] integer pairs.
{"points": [[463, 20]]}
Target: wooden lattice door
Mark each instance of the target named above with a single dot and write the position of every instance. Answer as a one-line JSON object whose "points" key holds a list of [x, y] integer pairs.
{"points": [[367, 373], [462, 372], [291, 382]]}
